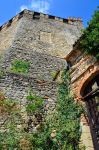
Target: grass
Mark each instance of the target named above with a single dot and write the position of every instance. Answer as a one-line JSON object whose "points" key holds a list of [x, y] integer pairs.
{"points": [[20, 66], [35, 103]]}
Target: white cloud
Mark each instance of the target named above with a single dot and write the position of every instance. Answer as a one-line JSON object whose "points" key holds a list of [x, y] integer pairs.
{"points": [[38, 5], [23, 7]]}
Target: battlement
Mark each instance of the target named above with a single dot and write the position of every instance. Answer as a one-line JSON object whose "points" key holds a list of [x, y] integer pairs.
{"points": [[38, 15]]}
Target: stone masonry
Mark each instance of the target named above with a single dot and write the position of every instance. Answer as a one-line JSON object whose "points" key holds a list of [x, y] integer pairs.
{"points": [[44, 41]]}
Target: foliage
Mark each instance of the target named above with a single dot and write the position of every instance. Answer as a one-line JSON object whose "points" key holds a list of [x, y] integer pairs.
{"points": [[90, 39], [35, 103], [9, 138], [61, 130], [13, 137], [20, 66]]}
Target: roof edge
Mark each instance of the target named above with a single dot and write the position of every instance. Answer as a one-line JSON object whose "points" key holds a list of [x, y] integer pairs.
{"points": [[69, 20]]}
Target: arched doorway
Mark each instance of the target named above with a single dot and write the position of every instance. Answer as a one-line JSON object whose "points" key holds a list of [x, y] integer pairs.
{"points": [[91, 97]]}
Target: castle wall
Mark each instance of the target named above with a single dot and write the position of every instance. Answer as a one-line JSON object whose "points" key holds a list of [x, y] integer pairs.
{"points": [[7, 35], [38, 41], [42, 69], [46, 35], [42, 41], [17, 87]]}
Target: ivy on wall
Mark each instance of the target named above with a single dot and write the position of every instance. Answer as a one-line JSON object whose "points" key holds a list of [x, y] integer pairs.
{"points": [[59, 130]]}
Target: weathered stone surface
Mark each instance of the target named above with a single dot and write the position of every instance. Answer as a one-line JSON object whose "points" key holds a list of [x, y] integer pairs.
{"points": [[13, 87], [43, 42], [46, 36], [7, 36]]}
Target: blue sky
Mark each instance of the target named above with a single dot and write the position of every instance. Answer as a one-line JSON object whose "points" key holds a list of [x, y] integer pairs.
{"points": [[61, 8]]}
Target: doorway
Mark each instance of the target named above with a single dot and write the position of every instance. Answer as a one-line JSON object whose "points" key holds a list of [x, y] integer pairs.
{"points": [[91, 97]]}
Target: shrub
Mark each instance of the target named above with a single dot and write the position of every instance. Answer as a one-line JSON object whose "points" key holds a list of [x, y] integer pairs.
{"points": [[8, 138], [61, 129], [35, 103], [20, 66]]}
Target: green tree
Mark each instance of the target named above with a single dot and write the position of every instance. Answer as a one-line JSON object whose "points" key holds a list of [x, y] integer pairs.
{"points": [[90, 39]]}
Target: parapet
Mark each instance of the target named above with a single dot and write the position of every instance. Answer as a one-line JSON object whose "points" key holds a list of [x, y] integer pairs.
{"points": [[38, 15]]}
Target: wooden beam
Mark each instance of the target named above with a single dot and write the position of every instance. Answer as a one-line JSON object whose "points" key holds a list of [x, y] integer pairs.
{"points": [[91, 93]]}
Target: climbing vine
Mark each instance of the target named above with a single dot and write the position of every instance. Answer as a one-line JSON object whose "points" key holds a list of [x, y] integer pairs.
{"points": [[59, 130]]}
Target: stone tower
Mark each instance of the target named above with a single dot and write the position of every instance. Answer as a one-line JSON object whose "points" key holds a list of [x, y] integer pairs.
{"points": [[44, 41]]}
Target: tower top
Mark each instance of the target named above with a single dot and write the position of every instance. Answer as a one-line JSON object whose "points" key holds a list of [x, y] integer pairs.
{"points": [[37, 15]]}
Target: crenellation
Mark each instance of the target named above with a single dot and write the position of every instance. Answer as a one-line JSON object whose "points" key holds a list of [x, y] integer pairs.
{"points": [[65, 20], [46, 16], [10, 22], [51, 17], [56, 18], [38, 15], [4, 26], [42, 15], [0, 28], [15, 18], [20, 15]]}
